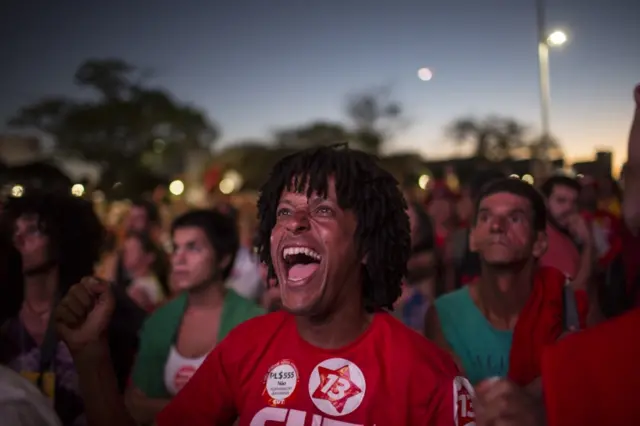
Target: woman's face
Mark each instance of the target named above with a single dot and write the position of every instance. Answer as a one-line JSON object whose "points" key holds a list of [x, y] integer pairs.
{"points": [[441, 210], [31, 242], [134, 256]]}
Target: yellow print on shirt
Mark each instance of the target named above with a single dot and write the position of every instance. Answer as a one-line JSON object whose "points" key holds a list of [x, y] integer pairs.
{"points": [[48, 387]]}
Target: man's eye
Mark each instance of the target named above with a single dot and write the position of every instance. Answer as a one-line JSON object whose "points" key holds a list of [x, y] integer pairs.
{"points": [[324, 210], [283, 212]]}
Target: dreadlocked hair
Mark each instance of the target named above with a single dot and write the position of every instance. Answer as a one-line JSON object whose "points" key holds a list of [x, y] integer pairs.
{"points": [[362, 186]]}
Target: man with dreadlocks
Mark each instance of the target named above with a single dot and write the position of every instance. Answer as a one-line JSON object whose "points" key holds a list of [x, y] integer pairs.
{"points": [[335, 234]]}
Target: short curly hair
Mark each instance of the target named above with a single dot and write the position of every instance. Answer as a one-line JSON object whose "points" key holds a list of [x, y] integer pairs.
{"points": [[361, 185]]}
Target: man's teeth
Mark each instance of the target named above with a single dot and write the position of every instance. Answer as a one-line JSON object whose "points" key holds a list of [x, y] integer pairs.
{"points": [[292, 251]]}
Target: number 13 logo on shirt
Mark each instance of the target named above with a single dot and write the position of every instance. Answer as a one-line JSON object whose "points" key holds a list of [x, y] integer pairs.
{"points": [[337, 386]]}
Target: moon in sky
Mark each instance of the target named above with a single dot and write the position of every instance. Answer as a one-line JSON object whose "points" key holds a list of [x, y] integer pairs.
{"points": [[425, 74]]}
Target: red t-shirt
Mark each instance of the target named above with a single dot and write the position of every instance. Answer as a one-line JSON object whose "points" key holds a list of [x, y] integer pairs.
{"points": [[562, 253], [263, 373], [592, 377]]}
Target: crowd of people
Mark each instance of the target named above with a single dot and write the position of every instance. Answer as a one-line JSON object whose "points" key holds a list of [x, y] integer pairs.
{"points": [[352, 300]]}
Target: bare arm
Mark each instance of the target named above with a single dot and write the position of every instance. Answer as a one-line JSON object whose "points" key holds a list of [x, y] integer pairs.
{"points": [[433, 332], [143, 409], [631, 202], [104, 406], [586, 269]]}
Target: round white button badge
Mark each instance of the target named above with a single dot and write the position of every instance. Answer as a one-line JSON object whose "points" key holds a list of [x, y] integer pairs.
{"points": [[281, 382]]}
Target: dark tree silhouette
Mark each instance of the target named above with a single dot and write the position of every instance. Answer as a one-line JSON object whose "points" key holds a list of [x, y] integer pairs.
{"points": [[375, 116], [319, 133], [494, 138], [129, 124]]}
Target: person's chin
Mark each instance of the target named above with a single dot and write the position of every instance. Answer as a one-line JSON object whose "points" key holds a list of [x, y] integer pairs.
{"points": [[300, 310], [303, 300], [498, 259], [183, 286]]}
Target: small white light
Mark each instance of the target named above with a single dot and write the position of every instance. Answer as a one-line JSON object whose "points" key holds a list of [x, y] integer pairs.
{"points": [[176, 187], [77, 190], [17, 191], [528, 178], [425, 74], [423, 181]]}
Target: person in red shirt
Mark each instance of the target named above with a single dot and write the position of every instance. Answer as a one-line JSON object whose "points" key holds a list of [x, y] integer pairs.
{"points": [[335, 233], [569, 234], [590, 377], [604, 224]]}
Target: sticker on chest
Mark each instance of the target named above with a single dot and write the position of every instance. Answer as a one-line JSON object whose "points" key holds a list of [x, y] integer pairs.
{"points": [[280, 382]]}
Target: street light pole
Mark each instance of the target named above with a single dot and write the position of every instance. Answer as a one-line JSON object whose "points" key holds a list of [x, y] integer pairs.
{"points": [[545, 89]]}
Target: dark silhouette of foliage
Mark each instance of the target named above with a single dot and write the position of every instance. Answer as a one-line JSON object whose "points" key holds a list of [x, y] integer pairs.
{"points": [[494, 138], [128, 122], [375, 116], [319, 133]]}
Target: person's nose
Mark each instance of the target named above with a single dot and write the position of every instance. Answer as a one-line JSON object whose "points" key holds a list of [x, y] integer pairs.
{"points": [[178, 257], [299, 222], [498, 224]]}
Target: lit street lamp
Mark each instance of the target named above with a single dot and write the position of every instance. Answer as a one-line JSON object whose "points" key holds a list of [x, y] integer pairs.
{"points": [[545, 40], [557, 38]]}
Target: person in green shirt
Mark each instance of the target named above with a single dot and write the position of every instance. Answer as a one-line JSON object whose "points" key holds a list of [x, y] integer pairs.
{"points": [[178, 336]]}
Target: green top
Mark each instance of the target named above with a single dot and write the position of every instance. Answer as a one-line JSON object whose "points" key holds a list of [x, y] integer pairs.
{"points": [[482, 349], [159, 332]]}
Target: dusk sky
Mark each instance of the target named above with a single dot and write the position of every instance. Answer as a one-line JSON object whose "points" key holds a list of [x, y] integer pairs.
{"points": [[258, 65]]}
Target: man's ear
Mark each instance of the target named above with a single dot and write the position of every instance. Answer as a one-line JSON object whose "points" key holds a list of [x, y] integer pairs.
{"points": [[540, 245]]}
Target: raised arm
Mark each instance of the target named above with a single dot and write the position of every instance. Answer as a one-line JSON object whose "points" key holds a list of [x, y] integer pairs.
{"points": [[631, 203]]}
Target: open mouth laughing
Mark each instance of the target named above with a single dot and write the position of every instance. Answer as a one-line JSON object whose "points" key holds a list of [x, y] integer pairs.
{"points": [[301, 264]]}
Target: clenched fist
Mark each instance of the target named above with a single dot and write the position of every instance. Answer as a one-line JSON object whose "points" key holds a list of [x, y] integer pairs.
{"points": [[83, 315], [500, 402]]}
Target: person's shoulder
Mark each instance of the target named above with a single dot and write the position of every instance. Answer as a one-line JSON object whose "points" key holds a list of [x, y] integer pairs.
{"points": [[168, 312], [243, 306], [257, 329], [452, 299], [431, 373], [617, 333], [421, 355]]}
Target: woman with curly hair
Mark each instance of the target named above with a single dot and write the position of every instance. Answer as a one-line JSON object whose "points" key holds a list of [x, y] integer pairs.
{"points": [[54, 240]]}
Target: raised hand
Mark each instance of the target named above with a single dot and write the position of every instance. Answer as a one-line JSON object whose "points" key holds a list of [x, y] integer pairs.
{"points": [[83, 315], [579, 229], [500, 402]]}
